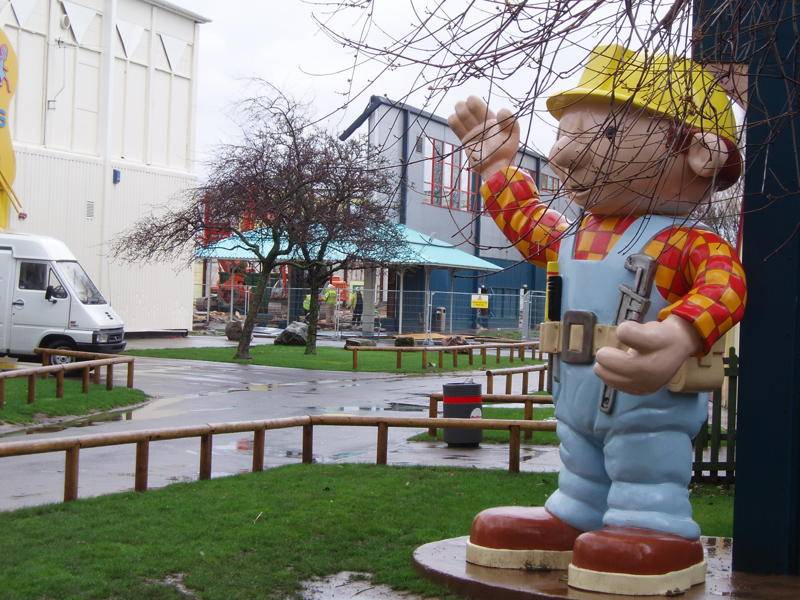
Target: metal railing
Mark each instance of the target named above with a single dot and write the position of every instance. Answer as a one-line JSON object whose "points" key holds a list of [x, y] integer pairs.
{"points": [[142, 439]]}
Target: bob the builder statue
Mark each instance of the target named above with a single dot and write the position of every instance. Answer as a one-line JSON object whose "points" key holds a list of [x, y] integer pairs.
{"points": [[647, 291]]}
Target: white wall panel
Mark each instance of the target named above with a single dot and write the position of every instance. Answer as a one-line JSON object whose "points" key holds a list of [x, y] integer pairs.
{"points": [[180, 99], [159, 118], [28, 105]]}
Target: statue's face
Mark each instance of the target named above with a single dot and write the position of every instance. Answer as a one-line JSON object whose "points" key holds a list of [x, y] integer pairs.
{"points": [[621, 162]]}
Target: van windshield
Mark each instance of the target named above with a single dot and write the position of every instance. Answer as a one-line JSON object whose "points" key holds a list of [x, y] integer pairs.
{"points": [[80, 283]]}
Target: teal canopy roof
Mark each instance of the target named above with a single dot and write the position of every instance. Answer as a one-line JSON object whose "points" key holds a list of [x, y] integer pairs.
{"points": [[421, 250]]}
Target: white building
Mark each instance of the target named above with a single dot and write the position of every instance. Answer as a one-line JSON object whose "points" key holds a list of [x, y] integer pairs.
{"points": [[104, 122]]}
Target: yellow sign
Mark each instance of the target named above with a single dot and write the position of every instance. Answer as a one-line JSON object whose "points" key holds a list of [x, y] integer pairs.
{"points": [[8, 85], [479, 301]]}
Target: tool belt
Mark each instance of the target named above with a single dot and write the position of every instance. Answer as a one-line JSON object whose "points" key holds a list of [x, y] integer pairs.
{"points": [[578, 336]]}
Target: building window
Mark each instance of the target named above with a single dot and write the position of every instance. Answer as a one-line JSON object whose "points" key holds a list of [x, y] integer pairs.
{"points": [[449, 182]]}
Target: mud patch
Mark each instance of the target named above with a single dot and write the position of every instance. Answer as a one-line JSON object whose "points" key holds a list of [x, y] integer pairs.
{"points": [[352, 585]]}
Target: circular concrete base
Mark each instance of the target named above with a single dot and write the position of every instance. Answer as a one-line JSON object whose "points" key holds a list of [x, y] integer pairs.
{"points": [[445, 562]]}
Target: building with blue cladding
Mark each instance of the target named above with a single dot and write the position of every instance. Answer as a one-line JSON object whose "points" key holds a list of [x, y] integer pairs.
{"points": [[439, 196]]}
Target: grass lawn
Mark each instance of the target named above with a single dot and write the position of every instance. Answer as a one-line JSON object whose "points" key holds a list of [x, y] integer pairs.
{"points": [[74, 402], [260, 535], [540, 438], [327, 359]]}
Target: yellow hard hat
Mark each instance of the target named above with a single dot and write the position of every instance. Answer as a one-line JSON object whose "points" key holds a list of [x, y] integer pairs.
{"points": [[674, 87]]}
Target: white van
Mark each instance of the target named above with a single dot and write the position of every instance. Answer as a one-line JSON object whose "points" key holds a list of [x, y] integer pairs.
{"points": [[48, 300]]}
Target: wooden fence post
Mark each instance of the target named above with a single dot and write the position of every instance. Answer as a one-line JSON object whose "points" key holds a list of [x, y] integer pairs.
{"points": [[142, 465], [130, 374], [489, 383], [509, 383], [59, 384], [399, 360], [383, 443], [424, 359], [498, 355], [31, 388], [258, 449], [513, 450], [528, 417], [455, 359], [308, 444], [85, 380], [525, 382], [441, 359], [471, 358], [110, 377], [96, 375], [205, 456], [483, 356], [355, 359], [433, 412], [71, 474], [45, 356], [541, 380]]}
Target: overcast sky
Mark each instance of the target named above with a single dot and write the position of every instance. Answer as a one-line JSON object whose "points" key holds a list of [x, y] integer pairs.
{"points": [[278, 41]]}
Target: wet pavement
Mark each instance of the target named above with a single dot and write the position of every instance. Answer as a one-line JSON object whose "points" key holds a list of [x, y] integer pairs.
{"points": [[196, 392]]}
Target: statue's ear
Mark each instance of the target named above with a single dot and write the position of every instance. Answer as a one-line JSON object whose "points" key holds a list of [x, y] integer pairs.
{"points": [[707, 154]]}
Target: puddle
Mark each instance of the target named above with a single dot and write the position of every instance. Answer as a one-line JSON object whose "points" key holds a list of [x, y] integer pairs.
{"points": [[390, 406], [348, 584]]}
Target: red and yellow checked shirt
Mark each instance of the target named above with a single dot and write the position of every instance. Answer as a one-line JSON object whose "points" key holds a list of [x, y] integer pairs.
{"points": [[698, 273]]}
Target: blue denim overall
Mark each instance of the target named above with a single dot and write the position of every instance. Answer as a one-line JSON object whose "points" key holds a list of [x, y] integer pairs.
{"points": [[630, 468]]}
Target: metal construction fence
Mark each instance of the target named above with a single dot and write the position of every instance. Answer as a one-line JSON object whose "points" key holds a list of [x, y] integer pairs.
{"points": [[358, 311]]}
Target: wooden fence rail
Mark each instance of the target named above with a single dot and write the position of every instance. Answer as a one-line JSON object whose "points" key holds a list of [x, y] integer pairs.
{"points": [[31, 374], [527, 400], [510, 372], [142, 439], [469, 349]]}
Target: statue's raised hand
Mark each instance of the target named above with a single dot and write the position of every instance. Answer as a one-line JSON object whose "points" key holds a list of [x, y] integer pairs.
{"points": [[491, 141]]}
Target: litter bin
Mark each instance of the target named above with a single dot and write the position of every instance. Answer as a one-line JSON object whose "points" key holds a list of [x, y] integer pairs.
{"points": [[462, 401]]}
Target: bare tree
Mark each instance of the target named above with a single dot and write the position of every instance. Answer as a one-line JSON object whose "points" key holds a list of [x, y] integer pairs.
{"points": [[249, 198], [347, 221]]}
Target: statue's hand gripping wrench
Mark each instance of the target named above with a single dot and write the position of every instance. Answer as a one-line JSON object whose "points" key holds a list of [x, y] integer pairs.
{"points": [[633, 305]]}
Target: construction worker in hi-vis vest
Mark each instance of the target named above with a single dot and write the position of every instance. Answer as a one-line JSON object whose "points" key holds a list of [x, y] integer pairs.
{"points": [[647, 292]]}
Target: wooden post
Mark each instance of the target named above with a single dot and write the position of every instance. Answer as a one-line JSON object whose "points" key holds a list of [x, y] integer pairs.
{"points": [[44, 357], [424, 359], [85, 380], [433, 412], [509, 381], [142, 464], [528, 417], [511, 354], [130, 374], [71, 474], [383, 443], [110, 377], [522, 353], [399, 359], [525, 382], [455, 359], [308, 444], [2, 393], [355, 359], [541, 380], [205, 456], [31, 388], [441, 359], [471, 358], [498, 355], [513, 450], [258, 449], [96, 376], [489, 383], [483, 356], [59, 384]]}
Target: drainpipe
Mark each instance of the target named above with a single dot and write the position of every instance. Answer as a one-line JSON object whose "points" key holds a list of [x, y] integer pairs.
{"points": [[404, 170]]}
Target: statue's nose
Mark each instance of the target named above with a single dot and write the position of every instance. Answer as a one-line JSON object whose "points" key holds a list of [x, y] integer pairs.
{"points": [[568, 153]]}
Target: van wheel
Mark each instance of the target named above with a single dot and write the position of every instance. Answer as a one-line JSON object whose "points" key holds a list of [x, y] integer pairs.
{"points": [[61, 345]]}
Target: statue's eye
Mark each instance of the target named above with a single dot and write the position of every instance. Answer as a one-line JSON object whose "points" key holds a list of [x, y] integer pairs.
{"points": [[610, 132]]}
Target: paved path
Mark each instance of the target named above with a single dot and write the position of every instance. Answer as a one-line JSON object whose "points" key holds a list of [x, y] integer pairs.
{"points": [[196, 392]]}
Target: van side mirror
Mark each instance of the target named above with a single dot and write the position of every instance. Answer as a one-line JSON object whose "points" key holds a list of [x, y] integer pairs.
{"points": [[53, 292]]}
